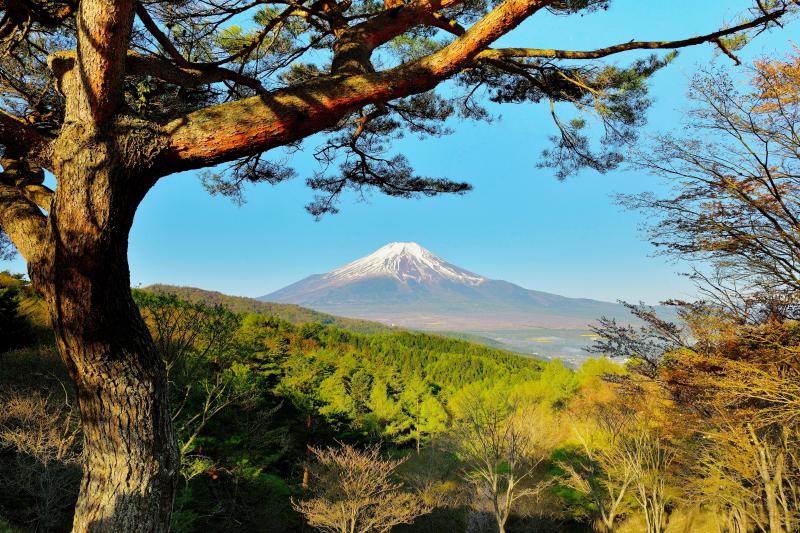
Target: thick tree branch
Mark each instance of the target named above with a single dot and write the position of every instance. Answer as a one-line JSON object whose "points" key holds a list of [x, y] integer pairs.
{"points": [[22, 221], [499, 21], [27, 177], [450, 26], [40, 195], [355, 45], [504, 53], [228, 131], [104, 29], [19, 137]]}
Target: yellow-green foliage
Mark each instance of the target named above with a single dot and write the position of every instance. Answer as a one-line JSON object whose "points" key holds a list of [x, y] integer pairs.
{"points": [[556, 385], [31, 306]]}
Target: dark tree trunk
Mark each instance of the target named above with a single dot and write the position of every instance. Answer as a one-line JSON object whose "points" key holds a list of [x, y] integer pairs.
{"points": [[131, 454], [307, 461]]}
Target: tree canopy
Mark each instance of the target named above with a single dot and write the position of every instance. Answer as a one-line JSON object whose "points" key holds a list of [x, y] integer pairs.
{"points": [[226, 81]]}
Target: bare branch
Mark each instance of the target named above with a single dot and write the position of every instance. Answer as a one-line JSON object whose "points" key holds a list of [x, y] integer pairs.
{"points": [[599, 53], [188, 76]]}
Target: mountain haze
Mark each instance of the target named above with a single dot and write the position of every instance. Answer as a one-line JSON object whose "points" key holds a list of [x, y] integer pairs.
{"points": [[404, 284]]}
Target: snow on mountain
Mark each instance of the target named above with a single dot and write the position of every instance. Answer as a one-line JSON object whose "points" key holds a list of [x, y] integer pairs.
{"points": [[404, 261], [403, 283]]}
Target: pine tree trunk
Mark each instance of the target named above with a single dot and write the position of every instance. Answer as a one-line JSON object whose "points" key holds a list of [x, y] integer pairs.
{"points": [[131, 457], [131, 454]]}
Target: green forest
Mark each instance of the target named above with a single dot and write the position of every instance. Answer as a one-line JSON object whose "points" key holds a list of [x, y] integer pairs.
{"points": [[252, 393]]}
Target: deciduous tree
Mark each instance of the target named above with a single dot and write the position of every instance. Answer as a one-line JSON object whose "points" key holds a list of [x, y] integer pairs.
{"points": [[735, 176], [501, 450], [650, 459], [354, 493], [602, 472]]}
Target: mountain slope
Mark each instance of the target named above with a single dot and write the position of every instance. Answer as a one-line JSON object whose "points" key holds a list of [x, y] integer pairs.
{"points": [[288, 312], [296, 314], [407, 285]]}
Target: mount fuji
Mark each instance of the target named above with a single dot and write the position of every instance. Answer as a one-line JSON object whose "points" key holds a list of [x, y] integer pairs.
{"points": [[406, 285]]}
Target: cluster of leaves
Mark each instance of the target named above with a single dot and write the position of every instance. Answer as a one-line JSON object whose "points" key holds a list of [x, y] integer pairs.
{"points": [[354, 491]]}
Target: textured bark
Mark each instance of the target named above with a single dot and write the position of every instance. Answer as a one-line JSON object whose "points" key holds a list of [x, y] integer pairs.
{"points": [[104, 29], [101, 160], [22, 221], [131, 455]]}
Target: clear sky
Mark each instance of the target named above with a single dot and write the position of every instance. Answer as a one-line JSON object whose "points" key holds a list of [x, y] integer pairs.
{"points": [[518, 224]]}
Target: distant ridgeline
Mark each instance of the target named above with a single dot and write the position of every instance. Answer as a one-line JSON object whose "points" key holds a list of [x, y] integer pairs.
{"points": [[296, 314], [444, 361], [289, 312]]}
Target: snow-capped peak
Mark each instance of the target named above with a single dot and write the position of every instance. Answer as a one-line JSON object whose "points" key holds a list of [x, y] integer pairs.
{"points": [[405, 261]]}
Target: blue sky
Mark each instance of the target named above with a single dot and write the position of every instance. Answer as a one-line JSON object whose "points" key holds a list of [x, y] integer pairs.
{"points": [[519, 223]]}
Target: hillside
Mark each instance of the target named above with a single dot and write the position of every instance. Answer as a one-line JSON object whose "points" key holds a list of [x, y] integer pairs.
{"points": [[296, 314], [289, 312], [273, 387]]}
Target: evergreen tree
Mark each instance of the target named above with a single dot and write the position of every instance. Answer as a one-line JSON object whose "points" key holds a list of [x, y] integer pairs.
{"points": [[433, 417]]}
